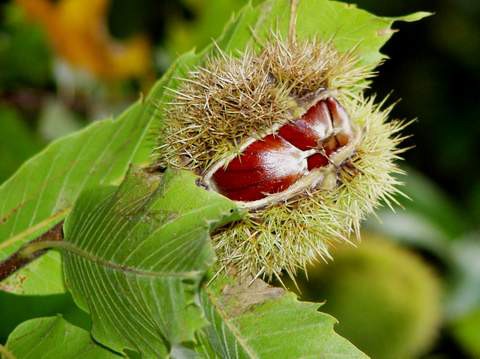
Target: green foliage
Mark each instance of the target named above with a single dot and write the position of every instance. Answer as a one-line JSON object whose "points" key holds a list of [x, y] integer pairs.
{"points": [[134, 259], [387, 300], [57, 120], [427, 202], [431, 220], [17, 144], [346, 25], [254, 320], [15, 309], [52, 338], [24, 55], [41, 277], [210, 18], [136, 255], [467, 331], [43, 190], [464, 278], [430, 202], [364, 32], [434, 223]]}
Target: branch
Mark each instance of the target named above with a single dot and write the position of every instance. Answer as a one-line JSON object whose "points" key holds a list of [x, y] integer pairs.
{"points": [[30, 251]]}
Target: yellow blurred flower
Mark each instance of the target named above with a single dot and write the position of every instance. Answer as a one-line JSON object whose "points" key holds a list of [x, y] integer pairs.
{"points": [[77, 30]]}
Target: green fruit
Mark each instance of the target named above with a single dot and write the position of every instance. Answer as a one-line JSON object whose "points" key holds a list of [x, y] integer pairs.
{"points": [[386, 299]]}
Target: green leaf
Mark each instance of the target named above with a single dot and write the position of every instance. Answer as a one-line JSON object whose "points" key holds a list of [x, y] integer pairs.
{"points": [[42, 192], [16, 309], [41, 277], [136, 255], [260, 321], [52, 338], [345, 24], [350, 27]]}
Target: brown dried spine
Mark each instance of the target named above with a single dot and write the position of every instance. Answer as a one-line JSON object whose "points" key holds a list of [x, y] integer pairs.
{"points": [[232, 102]]}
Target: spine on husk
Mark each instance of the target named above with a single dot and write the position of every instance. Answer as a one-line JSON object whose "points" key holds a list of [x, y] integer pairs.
{"points": [[286, 132]]}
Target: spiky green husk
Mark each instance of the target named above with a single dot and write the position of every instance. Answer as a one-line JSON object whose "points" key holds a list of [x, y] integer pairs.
{"points": [[289, 235], [231, 99], [387, 300]]}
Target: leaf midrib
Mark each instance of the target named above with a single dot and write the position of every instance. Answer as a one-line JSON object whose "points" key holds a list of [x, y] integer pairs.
{"points": [[73, 249], [233, 329]]}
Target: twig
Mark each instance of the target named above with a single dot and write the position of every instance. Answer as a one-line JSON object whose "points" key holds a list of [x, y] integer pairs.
{"points": [[27, 254]]}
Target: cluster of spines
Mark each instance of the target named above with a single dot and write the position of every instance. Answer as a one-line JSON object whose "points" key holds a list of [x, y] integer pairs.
{"points": [[304, 66], [288, 236], [232, 98]]}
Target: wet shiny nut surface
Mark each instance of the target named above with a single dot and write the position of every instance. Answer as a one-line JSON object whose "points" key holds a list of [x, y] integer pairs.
{"points": [[274, 163]]}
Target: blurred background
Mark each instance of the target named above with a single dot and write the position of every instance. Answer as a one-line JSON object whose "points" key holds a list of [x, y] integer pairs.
{"points": [[412, 289]]}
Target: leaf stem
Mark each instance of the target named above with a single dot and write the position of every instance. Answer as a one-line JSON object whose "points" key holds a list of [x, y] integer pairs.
{"points": [[292, 26], [5, 353], [54, 239], [30, 251]]}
